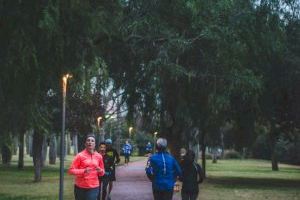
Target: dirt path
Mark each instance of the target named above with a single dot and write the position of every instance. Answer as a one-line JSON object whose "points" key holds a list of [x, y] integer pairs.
{"points": [[132, 183]]}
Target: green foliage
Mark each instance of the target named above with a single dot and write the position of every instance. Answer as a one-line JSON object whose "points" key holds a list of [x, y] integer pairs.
{"points": [[287, 149], [141, 140], [179, 64], [232, 154]]}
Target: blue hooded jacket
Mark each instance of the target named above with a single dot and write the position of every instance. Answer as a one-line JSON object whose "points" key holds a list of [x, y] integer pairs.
{"points": [[164, 169]]}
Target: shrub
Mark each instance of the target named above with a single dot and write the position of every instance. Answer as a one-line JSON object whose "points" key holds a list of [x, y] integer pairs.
{"points": [[232, 154], [208, 156], [261, 147]]}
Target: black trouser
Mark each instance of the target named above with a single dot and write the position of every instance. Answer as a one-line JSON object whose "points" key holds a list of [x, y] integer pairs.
{"points": [[189, 195], [104, 187], [162, 195], [127, 157]]}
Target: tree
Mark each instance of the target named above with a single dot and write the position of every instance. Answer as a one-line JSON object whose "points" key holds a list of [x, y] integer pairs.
{"points": [[42, 41]]}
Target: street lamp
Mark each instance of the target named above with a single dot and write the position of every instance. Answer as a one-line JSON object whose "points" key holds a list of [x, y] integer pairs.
{"points": [[130, 131], [99, 127], [62, 137], [154, 143]]}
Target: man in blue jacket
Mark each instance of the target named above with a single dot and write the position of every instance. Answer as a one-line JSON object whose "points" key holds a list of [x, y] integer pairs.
{"points": [[163, 170], [149, 148], [127, 149]]}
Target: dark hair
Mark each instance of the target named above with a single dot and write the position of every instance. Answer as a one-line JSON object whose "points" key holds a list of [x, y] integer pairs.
{"points": [[90, 135], [189, 156], [102, 143]]}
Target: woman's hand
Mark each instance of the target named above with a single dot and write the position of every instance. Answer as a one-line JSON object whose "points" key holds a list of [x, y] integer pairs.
{"points": [[98, 169], [87, 170]]}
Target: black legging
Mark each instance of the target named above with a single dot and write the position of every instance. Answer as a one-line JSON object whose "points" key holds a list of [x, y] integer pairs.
{"points": [[189, 195], [162, 195]]}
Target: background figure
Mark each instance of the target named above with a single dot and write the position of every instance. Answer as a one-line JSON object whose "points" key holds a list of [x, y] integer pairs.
{"points": [[111, 159], [127, 149], [182, 153], [149, 148], [192, 176], [87, 166], [162, 169]]}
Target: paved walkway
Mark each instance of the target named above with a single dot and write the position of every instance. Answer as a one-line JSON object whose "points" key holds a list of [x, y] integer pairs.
{"points": [[132, 183]]}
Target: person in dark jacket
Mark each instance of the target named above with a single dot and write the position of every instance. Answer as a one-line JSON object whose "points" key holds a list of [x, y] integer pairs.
{"points": [[163, 170], [192, 176], [110, 159]]}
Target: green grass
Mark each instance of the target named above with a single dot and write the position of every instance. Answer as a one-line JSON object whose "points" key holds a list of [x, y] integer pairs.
{"points": [[18, 184], [250, 179], [228, 179]]}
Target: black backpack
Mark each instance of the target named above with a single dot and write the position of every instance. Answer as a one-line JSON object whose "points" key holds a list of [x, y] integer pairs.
{"points": [[200, 175]]}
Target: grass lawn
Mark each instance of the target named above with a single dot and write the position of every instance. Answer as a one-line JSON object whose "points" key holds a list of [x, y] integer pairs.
{"points": [[228, 179], [250, 179], [18, 184]]}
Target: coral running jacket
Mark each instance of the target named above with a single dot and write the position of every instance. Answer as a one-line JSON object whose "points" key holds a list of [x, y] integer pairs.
{"points": [[86, 160]]}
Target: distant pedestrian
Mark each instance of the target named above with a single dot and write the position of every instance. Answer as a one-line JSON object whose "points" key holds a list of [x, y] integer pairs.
{"points": [[127, 150], [192, 176], [163, 170], [149, 148], [87, 166]]}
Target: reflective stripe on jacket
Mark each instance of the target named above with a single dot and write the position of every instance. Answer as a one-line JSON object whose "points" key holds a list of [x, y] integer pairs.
{"points": [[165, 171]]}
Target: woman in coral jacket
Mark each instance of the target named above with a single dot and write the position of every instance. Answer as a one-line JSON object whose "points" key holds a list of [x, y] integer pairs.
{"points": [[87, 166]]}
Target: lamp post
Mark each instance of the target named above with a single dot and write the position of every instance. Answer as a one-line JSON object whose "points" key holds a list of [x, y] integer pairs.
{"points": [[62, 137], [130, 131], [99, 127], [154, 142]]}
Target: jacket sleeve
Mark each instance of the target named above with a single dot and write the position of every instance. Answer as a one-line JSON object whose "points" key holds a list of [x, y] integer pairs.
{"points": [[75, 166], [149, 170], [101, 166]]}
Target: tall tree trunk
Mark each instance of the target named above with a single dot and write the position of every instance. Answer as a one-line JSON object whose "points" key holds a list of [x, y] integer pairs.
{"points": [[75, 143], [15, 143], [44, 151], [203, 151], [214, 155], [21, 150], [6, 154], [37, 155], [273, 140], [30, 141], [58, 145], [52, 149], [68, 144], [6, 148]]}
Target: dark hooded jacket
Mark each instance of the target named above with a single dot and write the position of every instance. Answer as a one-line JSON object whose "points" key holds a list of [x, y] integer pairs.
{"points": [[191, 176]]}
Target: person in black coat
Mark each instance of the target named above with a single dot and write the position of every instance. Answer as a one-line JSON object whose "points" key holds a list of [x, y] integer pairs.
{"points": [[192, 176]]}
